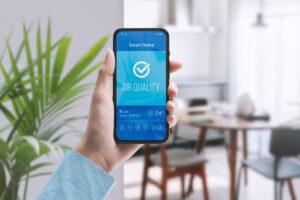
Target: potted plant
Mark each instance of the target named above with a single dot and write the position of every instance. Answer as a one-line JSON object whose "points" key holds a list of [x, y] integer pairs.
{"points": [[36, 101]]}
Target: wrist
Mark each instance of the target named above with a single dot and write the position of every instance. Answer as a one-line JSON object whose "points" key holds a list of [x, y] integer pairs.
{"points": [[92, 155]]}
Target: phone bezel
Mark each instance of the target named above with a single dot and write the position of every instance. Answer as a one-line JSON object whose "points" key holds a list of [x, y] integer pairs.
{"points": [[167, 85]]}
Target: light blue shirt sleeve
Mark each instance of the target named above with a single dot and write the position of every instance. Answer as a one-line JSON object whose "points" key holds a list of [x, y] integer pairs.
{"points": [[77, 178]]}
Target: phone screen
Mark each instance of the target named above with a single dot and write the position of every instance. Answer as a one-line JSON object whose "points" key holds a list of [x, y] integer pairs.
{"points": [[141, 80]]}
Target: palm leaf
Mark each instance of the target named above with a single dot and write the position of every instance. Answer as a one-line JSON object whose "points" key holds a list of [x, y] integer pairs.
{"points": [[8, 114], [21, 47], [40, 66], [8, 88], [59, 62], [16, 127], [49, 132], [88, 72], [5, 128], [27, 122], [81, 65], [33, 142], [52, 148], [15, 103], [4, 150], [2, 178], [39, 174], [48, 59], [37, 166], [34, 104], [19, 104], [4, 50], [60, 136]]}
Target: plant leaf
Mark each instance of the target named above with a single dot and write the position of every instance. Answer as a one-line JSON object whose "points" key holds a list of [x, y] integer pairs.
{"points": [[33, 142], [40, 67], [15, 127], [40, 174], [2, 178], [59, 62], [7, 114], [4, 50], [28, 55], [37, 166], [34, 106], [88, 72], [25, 70], [19, 52], [5, 128], [59, 137], [52, 148], [48, 59], [18, 104], [82, 64], [3, 150], [48, 133]]}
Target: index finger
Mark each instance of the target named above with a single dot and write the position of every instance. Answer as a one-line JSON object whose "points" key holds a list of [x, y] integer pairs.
{"points": [[174, 66]]}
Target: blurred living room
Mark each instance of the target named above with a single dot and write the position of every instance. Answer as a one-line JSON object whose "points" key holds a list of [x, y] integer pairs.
{"points": [[240, 79], [238, 104]]}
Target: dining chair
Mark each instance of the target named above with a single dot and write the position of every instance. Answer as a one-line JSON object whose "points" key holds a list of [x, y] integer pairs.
{"points": [[176, 162], [280, 167], [194, 139]]}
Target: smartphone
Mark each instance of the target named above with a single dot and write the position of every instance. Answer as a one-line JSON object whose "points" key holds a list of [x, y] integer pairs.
{"points": [[141, 80]]}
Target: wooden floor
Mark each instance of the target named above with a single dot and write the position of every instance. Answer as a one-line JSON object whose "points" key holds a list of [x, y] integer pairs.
{"points": [[217, 174]]}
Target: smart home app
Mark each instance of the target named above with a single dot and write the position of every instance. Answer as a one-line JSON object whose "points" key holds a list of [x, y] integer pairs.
{"points": [[141, 85]]}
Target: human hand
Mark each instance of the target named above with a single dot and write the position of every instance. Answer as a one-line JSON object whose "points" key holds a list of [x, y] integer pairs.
{"points": [[98, 143]]}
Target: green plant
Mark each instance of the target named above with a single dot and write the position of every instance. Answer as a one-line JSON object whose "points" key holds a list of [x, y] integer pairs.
{"points": [[37, 101]]}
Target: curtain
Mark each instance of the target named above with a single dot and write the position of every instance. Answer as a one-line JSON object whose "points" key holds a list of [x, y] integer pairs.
{"points": [[265, 61]]}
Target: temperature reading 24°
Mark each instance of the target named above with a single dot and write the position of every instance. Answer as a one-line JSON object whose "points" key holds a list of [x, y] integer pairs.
{"points": [[158, 113]]}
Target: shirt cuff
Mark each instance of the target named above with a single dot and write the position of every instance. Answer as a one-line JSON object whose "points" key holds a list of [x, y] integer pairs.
{"points": [[77, 177]]}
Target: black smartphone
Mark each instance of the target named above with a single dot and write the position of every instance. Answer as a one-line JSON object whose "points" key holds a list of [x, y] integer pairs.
{"points": [[141, 81]]}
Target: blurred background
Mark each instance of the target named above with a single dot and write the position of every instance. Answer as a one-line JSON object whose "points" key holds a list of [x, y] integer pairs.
{"points": [[238, 102], [239, 57]]}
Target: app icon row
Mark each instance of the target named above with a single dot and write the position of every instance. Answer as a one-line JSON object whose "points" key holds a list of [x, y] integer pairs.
{"points": [[138, 127]]}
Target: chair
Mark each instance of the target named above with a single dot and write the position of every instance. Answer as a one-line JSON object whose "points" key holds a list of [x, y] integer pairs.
{"points": [[280, 167], [174, 163], [194, 139]]}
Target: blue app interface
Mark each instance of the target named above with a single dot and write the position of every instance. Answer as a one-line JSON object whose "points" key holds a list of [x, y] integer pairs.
{"points": [[141, 85]]}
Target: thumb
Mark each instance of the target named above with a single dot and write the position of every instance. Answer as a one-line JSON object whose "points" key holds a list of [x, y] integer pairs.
{"points": [[104, 79]]}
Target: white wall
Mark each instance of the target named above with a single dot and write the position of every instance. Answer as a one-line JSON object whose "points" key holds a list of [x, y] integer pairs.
{"points": [[86, 21], [198, 36]]}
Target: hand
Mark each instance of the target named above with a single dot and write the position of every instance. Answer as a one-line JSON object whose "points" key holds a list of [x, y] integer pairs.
{"points": [[98, 143]]}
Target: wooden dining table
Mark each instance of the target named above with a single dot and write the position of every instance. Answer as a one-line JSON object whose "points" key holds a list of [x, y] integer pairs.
{"points": [[233, 125]]}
